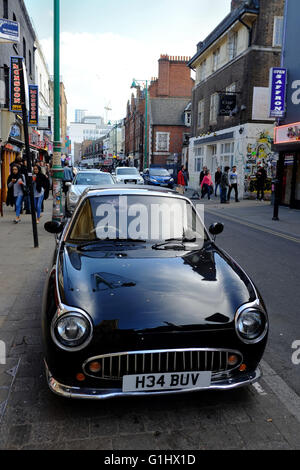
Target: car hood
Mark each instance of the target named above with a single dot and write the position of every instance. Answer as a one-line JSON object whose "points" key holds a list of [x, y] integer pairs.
{"points": [[127, 177], [204, 287]]}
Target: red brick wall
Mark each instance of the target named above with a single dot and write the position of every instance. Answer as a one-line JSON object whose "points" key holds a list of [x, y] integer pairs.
{"points": [[174, 79], [176, 141]]}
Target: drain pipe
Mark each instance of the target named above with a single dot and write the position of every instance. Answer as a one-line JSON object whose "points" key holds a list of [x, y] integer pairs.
{"points": [[249, 29]]}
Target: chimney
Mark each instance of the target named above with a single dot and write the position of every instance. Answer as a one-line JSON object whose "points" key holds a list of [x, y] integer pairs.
{"points": [[163, 75], [236, 4]]}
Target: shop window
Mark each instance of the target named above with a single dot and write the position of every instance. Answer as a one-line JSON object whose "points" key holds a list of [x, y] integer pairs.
{"points": [[5, 9]]}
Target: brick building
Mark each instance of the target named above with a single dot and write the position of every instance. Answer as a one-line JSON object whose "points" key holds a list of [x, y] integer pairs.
{"points": [[169, 95], [230, 100]]}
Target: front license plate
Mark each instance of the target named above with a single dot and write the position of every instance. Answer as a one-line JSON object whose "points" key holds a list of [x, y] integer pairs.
{"points": [[169, 381]]}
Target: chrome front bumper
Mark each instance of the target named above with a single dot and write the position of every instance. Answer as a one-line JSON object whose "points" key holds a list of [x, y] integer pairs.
{"points": [[102, 394]]}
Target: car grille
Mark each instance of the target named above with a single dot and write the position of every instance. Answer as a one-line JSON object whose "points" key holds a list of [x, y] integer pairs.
{"points": [[115, 366]]}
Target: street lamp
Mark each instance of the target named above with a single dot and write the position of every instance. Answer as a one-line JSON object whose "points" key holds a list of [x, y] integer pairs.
{"points": [[145, 85]]}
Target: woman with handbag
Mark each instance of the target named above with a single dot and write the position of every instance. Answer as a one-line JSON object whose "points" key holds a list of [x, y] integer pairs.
{"points": [[16, 184], [207, 185], [40, 186]]}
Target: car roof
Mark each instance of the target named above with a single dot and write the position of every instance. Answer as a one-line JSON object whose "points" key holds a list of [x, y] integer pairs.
{"points": [[92, 171], [126, 168], [121, 189]]}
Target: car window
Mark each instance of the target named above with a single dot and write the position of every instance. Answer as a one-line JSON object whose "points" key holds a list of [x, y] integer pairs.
{"points": [[156, 218], [92, 179], [126, 171], [159, 172]]}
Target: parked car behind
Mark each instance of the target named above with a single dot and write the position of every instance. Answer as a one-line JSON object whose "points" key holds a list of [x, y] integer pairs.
{"points": [[158, 177], [85, 178], [128, 175]]}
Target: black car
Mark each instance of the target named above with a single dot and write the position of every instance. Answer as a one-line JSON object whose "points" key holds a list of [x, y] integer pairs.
{"points": [[140, 300]]}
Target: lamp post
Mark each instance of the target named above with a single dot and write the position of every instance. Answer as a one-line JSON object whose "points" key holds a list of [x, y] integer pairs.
{"points": [[57, 214], [145, 84]]}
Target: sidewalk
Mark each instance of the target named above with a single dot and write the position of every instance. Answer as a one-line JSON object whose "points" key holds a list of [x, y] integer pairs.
{"points": [[254, 212], [23, 269]]}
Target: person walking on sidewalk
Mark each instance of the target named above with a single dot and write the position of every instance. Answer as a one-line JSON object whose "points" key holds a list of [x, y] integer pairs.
{"points": [[224, 185], [261, 177], [68, 177], [218, 176], [181, 181], [16, 184], [207, 185], [40, 189], [233, 184]]}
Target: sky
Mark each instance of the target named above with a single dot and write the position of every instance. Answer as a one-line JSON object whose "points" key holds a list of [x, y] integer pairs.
{"points": [[106, 44]]}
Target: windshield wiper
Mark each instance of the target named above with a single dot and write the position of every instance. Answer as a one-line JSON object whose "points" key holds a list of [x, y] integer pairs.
{"points": [[109, 241]]}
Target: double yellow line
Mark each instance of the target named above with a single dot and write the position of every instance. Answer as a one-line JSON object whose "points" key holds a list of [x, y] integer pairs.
{"points": [[254, 226]]}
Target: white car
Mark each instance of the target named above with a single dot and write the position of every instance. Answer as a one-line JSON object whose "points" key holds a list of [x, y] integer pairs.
{"points": [[128, 175], [83, 180]]}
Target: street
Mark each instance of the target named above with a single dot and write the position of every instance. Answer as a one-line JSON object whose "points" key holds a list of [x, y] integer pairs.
{"points": [[263, 416]]}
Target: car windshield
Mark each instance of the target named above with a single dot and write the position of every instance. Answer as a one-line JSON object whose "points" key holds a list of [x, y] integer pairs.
{"points": [[137, 217], [92, 179], [159, 172], [126, 171]]}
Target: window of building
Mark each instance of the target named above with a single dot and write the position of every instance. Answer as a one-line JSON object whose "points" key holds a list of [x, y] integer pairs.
{"points": [[214, 104], [200, 119], [30, 64], [188, 118], [162, 141], [278, 31], [24, 50], [201, 71], [216, 60], [232, 45], [227, 155], [198, 164], [5, 9]]}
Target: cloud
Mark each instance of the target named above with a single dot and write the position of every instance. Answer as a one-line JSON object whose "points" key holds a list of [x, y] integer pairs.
{"points": [[98, 69]]}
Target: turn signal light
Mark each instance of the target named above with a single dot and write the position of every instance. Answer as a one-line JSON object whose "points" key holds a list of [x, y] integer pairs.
{"points": [[243, 367], [80, 377], [95, 366], [232, 360]]}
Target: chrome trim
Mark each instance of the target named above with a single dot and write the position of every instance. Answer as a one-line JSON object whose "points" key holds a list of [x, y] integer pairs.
{"points": [[169, 366], [254, 306], [64, 310], [89, 393]]}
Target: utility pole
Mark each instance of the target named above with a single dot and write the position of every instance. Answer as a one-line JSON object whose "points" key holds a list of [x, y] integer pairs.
{"points": [[57, 214]]}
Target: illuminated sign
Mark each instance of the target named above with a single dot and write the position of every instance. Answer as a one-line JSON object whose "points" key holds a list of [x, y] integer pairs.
{"points": [[278, 81], [287, 134], [15, 84], [33, 115]]}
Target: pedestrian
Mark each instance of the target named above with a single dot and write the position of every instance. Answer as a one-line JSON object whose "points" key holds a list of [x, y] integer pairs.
{"points": [[40, 189], [224, 184], [233, 184], [218, 176], [202, 174], [261, 177], [207, 185], [68, 176], [186, 177], [181, 181], [16, 184]]}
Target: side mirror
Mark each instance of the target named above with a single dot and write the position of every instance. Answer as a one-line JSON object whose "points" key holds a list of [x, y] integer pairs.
{"points": [[68, 183], [54, 227], [216, 229]]}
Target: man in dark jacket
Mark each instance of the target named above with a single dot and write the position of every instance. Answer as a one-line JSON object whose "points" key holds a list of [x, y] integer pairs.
{"points": [[224, 184], [261, 177], [218, 176]]}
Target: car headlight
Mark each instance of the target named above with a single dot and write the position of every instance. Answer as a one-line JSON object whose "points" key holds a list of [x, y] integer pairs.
{"points": [[153, 179], [171, 180], [73, 198], [71, 331], [251, 325]]}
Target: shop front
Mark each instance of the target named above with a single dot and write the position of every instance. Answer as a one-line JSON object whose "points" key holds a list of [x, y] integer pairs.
{"points": [[287, 143]]}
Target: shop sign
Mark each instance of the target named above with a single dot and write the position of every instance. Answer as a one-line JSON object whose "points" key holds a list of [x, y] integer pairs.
{"points": [[9, 31], [15, 84], [287, 134], [33, 115], [44, 123], [227, 104], [278, 82]]}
